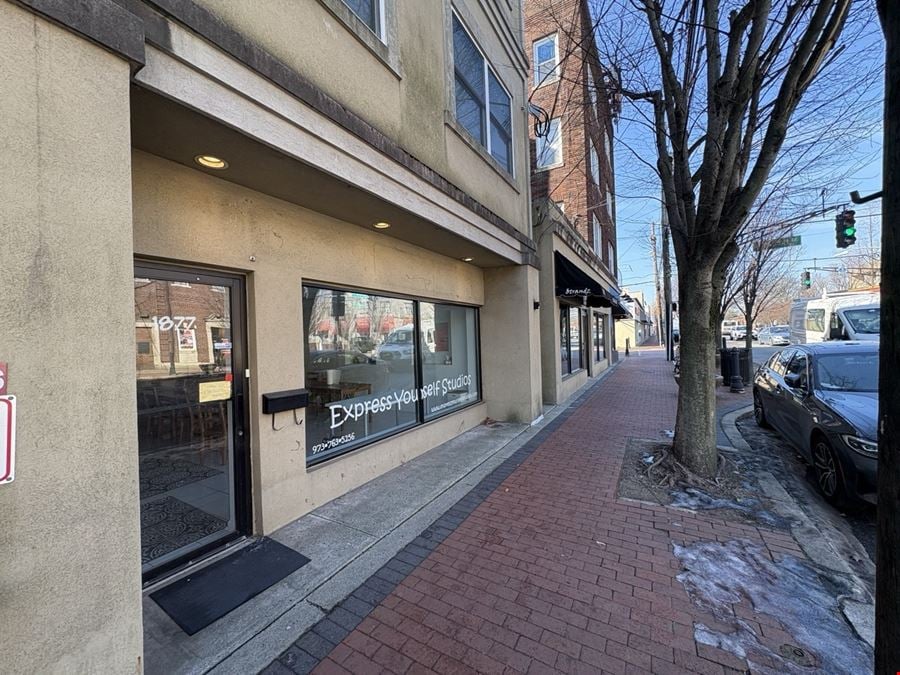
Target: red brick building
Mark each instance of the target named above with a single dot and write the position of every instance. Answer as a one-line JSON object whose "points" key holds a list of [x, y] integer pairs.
{"points": [[573, 165], [573, 189]]}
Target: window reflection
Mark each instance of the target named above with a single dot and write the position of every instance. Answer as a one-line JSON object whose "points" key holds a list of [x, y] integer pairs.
{"points": [[359, 362], [362, 353], [449, 358]]}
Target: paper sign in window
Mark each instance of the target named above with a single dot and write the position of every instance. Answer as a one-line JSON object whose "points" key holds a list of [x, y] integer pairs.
{"points": [[219, 390]]}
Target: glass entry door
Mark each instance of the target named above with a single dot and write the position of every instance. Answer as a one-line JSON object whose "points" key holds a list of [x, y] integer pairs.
{"points": [[189, 356]]}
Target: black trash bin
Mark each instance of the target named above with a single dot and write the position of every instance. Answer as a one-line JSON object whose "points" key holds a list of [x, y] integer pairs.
{"points": [[725, 365]]}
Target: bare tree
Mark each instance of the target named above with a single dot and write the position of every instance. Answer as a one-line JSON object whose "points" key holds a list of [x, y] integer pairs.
{"points": [[723, 94], [766, 274]]}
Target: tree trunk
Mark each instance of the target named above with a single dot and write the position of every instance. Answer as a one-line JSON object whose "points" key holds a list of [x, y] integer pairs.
{"points": [[695, 429], [887, 582]]}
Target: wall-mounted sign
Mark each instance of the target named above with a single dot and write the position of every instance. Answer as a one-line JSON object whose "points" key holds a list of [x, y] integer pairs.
{"points": [[7, 438], [4, 377]]}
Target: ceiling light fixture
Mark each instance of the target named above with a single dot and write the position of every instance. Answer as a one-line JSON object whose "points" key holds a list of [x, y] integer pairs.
{"points": [[381, 225], [211, 162], [468, 259]]}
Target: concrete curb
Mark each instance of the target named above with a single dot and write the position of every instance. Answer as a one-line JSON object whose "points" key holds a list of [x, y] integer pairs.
{"points": [[822, 541]]}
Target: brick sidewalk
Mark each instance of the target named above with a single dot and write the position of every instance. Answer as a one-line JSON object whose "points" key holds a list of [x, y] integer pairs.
{"points": [[541, 568]]}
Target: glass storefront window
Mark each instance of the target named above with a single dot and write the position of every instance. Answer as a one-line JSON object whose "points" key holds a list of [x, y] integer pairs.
{"points": [[599, 340], [571, 338], [575, 346], [369, 376], [449, 358]]}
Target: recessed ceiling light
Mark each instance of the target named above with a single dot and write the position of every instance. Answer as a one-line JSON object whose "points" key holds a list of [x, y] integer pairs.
{"points": [[211, 162], [467, 259], [381, 225]]}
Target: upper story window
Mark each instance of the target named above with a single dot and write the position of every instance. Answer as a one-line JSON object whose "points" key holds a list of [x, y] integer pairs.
{"points": [[611, 260], [546, 60], [483, 106], [370, 13], [598, 235], [548, 149], [595, 164]]}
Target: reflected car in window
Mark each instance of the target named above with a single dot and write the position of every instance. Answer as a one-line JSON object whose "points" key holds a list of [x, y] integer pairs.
{"points": [[823, 399]]}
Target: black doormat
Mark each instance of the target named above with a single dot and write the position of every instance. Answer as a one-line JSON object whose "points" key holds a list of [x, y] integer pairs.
{"points": [[209, 594]]}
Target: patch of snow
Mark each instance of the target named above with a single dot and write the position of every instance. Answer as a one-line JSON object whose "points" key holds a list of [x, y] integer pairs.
{"points": [[669, 433], [698, 500], [648, 458], [718, 576]]}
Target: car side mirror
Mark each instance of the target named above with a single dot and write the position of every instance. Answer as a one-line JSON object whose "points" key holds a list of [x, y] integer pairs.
{"points": [[792, 380]]}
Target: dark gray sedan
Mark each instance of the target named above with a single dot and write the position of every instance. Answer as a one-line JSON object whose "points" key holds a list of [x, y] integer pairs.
{"points": [[823, 398]]}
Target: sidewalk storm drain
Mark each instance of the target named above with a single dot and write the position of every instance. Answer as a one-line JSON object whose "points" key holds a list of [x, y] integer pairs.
{"points": [[719, 576]]}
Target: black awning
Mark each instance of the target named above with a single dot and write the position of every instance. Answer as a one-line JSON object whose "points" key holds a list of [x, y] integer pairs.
{"points": [[571, 282], [619, 310]]}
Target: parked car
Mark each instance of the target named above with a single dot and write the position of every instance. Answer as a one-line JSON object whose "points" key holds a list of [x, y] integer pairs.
{"points": [[740, 333], [823, 399], [775, 335]]}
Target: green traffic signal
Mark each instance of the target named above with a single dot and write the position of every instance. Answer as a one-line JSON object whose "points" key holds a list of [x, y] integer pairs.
{"points": [[849, 231]]}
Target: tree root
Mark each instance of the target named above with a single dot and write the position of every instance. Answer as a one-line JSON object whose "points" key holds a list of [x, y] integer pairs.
{"points": [[678, 472]]}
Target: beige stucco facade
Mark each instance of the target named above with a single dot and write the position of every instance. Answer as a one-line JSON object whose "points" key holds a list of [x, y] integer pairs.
{"points": [[181, 214], [70, 539], [404, 95]]}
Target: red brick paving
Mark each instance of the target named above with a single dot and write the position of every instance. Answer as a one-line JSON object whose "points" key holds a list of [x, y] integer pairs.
{"points": [[551, 573]]}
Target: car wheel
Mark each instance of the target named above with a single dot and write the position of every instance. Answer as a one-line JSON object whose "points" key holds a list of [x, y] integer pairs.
{"points": [[759, 413], [829, 475]]}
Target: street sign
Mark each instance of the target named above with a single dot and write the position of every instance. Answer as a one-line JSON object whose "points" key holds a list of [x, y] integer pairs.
{"points": [[783, 242], [7, 438]]}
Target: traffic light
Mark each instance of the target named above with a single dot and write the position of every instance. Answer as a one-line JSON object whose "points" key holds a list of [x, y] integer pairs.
{"points": [[807, 280], [845, 229]]}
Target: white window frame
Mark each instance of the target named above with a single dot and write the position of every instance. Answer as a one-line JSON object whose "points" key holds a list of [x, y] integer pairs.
{"points": [[542, 142], [486, 114], [598, 235], [611, 261], [379, 20], [552, 76]]}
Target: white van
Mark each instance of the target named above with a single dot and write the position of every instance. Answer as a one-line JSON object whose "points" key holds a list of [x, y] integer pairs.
{"points": [[850, 315]]}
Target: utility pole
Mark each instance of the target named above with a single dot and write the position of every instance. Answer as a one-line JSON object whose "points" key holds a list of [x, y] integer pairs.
{"points": [[659, 307], [667, 283], [887, 581]]}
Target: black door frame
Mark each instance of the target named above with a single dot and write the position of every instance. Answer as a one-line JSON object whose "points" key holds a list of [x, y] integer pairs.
{"points": [[243, 498]]}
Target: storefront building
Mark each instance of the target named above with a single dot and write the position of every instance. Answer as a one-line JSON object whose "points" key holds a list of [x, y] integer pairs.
{"points": [[283, 251], [579, 305]]}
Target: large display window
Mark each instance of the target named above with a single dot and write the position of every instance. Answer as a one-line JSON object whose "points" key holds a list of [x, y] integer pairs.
{"points": [[376, 365], [599, 338], [571, 338]]}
